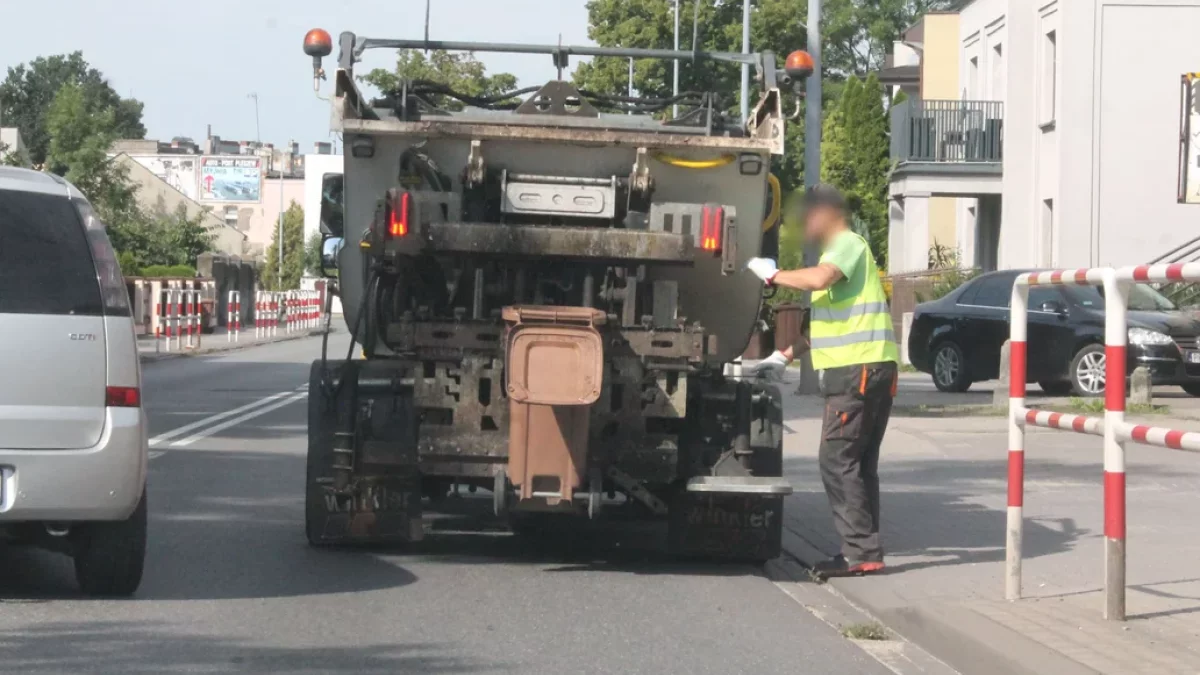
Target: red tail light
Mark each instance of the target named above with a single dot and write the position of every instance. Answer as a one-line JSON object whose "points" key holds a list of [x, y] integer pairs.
{"points": [[712, 228], [398, 215], [123, 397]]}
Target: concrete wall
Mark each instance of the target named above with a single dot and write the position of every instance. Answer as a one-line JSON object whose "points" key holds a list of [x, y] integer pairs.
{"points": [[260, 221], [1123, 60], [1091, 131], [940, 80], [181, 172]]}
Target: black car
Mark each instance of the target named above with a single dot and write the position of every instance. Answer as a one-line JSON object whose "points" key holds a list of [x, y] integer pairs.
{"points": [[957, 339]]}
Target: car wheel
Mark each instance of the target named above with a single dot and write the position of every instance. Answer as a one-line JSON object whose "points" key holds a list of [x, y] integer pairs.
{"points": [[1193, 389], [1057, 388], [1087, 371], [950, 368], [109, 557]]}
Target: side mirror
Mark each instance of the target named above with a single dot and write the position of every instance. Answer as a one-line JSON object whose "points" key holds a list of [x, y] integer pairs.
{"points": [[1054, 307], [332, 222], [330, 248]]}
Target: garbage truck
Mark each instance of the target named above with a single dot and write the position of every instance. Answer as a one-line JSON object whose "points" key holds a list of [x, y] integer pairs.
{"points": [[547, 298]]}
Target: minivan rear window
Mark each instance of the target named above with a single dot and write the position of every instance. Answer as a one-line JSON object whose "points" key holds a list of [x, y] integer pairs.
{"points": [[45, 263]]}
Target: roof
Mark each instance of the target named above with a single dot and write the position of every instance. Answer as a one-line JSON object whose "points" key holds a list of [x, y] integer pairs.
{"points": [[27, 180]]}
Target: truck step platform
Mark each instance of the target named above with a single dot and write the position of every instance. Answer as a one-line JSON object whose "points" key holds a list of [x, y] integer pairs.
{"points": [[744, 485]]}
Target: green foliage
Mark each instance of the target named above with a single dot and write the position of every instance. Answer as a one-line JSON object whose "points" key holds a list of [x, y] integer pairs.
{"points": [[463, 73], [29, 90], [165, 271], [160, 238], [312, 254], [947, 263], [129, 264], [855, 157], [294, 253]]}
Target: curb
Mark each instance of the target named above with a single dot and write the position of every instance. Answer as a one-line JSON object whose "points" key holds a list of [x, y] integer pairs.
{"points": [[960, 637], [151, 357]]}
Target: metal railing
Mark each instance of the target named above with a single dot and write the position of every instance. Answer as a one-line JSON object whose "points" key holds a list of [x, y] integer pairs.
{"points": [[948, 131], [1112, 427]]}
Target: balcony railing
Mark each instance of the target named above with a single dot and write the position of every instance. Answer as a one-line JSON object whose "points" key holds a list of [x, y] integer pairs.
{"points": [[948, 131]]}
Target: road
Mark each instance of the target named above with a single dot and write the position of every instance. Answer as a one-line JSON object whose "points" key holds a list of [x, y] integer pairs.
{"points": [[232, 587]]}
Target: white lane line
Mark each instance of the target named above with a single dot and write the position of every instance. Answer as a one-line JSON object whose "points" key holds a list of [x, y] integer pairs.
{"points": [[166, 436], [184, 442]]}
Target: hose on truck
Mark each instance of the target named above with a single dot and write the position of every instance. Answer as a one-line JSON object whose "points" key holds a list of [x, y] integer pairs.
{"points": [[724, 160]]}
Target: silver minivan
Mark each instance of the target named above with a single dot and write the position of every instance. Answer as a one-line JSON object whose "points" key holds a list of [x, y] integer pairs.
{"points": [[73, 435]]}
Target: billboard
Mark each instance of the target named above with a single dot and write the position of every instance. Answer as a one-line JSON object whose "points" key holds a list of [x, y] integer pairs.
{"points": [[230, 179]]}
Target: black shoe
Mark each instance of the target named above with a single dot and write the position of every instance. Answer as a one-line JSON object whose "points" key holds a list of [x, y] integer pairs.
{"points": [[838, 566]]}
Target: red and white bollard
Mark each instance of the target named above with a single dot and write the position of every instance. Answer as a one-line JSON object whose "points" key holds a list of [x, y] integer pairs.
{"points": [[1116, 295], [234, 324]]}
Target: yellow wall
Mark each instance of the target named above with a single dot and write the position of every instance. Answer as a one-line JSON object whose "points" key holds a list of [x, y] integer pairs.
{"points": [[939, 62], [939, 80]]}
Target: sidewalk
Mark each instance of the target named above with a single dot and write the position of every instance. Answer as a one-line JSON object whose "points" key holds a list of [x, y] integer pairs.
{"points": [[944, 484], [218, 341]]}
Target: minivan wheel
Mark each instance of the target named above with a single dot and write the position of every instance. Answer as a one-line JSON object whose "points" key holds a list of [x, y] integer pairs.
{"points": [[109, 557], [1087, 371], [950, 368], [1191, 388]]}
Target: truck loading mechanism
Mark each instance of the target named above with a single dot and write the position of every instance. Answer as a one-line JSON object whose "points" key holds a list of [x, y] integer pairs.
{"points": [[546, 290]]}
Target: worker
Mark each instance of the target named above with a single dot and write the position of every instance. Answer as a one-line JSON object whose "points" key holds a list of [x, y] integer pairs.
{"points": [[854, 350]]}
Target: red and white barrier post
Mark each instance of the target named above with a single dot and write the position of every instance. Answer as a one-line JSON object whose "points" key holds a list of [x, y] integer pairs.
{"points": [[1114, 429], [1017, 354], [177, 298], [234, 324], [1116, 299]]}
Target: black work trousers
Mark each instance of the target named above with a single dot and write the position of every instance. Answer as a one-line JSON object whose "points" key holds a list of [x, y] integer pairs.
{"points": [[858, 403]]}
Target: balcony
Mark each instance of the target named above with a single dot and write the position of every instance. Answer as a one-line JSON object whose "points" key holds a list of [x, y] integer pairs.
{"points": [[955, 136]]}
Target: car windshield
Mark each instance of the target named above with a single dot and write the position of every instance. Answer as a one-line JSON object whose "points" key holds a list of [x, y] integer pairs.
{"points": [[1141, 298]]}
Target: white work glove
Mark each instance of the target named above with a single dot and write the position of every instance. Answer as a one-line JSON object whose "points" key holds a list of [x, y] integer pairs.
{"points": [[763, 268], [770, 368]]}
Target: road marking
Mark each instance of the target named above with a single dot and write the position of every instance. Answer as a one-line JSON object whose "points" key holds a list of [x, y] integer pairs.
{"points": [[166, 436], [184, 442]]}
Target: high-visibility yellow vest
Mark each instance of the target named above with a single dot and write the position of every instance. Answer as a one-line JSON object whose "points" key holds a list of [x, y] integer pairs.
{"points": [[851, 323]]}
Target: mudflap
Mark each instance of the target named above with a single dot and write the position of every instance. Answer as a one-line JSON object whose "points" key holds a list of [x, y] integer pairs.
{"points": [[362, 483], [724, 520], [747, 528]]}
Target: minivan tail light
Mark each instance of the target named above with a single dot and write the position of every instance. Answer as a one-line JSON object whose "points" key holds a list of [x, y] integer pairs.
{"points": [[123, 397]]}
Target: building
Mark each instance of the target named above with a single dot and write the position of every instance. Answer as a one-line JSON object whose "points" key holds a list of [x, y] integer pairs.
{"points": [[1058, 130], [245, 184], [159, 195], [12, 147]]}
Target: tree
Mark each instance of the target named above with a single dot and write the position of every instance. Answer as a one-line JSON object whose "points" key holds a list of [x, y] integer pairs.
{"points": [[312, 254], [855, 157], [293, 252], [462, 73], [29, 90], [79, 134]]}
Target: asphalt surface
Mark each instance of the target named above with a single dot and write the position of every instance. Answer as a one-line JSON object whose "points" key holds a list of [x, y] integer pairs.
{"points": [[232, 587]]}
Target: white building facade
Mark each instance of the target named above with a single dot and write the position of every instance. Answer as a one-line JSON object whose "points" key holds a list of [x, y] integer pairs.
{"points": [[1085, 122]]}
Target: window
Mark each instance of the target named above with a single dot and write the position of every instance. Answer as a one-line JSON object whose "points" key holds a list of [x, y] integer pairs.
{"points": [[973, 79], [1049, 93], [995, 291], [45, 262], [1040, 295], [231, 216]]}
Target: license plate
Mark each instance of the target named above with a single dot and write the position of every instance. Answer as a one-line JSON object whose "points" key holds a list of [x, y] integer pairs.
{"points": [[1193, 357]]}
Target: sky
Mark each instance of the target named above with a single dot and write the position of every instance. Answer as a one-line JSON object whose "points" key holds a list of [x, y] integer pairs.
{"points": [[195, 62]]}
